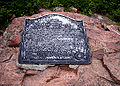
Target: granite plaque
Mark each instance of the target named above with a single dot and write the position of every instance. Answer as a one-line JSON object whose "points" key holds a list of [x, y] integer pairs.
{"points": [[54, 39]]}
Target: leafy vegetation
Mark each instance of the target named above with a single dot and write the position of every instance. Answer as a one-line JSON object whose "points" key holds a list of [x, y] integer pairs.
{"points": [[109, 8]]}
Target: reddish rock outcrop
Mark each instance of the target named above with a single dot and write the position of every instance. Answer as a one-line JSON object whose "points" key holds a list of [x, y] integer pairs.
{"points": [[14, 41], [74, 10], [10, 75], [58, 9], [103, 71], [112, 64], [102, 18]]}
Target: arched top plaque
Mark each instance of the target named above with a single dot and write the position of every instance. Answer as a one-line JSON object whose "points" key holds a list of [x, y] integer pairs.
{"points": [[54, 39]]}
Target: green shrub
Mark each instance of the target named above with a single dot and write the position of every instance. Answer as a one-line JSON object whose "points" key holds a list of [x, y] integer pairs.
{"points": [[109, 8]]}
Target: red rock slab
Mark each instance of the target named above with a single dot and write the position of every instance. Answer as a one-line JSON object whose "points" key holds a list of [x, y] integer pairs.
{"points": [[32, 72], [10, 74], [93, 75], [14, 41], [53, 76], [98, 54], [86, 75], [113, 66], [114, 46], [5, 54], [74, 10], [58, 9]]}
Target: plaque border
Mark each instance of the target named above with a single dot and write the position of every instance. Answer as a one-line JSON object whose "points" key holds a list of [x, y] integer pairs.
{"points": [[53, 62]]}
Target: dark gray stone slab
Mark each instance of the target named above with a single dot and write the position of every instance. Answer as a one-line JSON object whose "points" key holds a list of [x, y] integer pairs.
{"points": [[54, 39]]}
